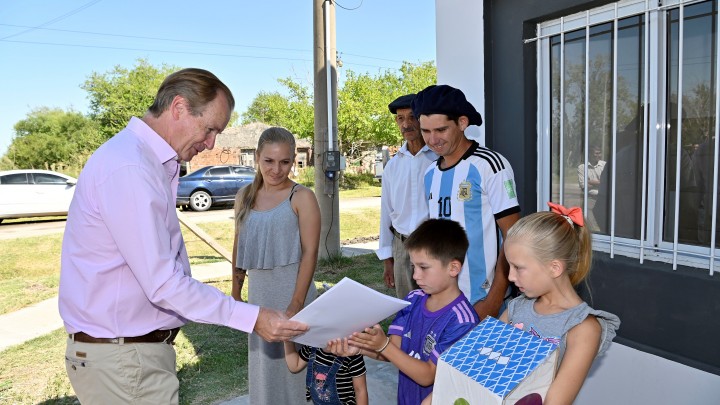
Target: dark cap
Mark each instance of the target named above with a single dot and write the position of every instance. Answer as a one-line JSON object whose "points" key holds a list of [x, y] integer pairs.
{"points": [[444, 99], [401, 102]]}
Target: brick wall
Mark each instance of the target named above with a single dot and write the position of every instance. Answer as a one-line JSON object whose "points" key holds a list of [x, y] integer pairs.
{"points": [[217, 156]]}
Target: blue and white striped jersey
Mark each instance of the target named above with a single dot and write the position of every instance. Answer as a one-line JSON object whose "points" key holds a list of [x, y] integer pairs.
{"points": [[475, 192]]}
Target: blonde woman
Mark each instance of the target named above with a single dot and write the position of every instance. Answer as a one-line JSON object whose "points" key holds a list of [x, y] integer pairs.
{"points": [[277, 233]]}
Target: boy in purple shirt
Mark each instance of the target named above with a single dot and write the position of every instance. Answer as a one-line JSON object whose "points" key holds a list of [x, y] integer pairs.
{"points": [[439, 314]]}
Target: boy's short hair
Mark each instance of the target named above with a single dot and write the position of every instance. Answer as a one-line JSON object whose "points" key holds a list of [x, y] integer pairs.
{"points": [[442, 239]]}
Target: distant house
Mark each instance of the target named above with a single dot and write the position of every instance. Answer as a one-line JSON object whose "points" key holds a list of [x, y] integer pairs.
{"points": [[236, 145]]}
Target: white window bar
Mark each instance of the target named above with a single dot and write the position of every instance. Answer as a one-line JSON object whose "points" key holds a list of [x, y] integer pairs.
{"points": [[614, 125], [544, 120], [717, 139], [561, 159], [678, 132], [587, 100], [645, 131]]}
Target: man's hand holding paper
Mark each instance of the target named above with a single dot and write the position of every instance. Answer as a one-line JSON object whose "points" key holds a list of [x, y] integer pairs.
{"points": [[346, 308]]}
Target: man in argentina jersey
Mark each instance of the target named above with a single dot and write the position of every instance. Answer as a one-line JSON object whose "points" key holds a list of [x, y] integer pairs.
{"points": [[472, 185]]}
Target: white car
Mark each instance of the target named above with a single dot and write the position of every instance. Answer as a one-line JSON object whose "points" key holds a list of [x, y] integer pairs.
{"points": [[34, 193]]}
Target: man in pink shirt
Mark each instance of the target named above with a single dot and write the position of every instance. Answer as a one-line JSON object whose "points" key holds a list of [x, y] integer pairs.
{"points": [[125, 284]]}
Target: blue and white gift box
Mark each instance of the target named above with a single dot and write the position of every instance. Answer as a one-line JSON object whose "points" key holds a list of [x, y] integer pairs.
{"points": [[495, 363]]}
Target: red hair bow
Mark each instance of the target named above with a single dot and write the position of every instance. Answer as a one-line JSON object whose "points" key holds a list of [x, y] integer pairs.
{"points": [[574, 215]]}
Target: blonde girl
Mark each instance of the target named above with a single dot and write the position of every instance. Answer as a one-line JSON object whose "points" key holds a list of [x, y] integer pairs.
{"points": [[550, 254]]}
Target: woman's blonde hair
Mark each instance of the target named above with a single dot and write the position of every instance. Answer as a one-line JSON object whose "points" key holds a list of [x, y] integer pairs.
{"points": [[550, 236], [245, 198]]}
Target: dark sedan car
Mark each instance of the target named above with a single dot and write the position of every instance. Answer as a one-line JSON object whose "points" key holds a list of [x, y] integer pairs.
{"points": [[212, 185]]}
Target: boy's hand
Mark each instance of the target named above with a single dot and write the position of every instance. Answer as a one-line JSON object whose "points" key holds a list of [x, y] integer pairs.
{"points": [[371, 339], [342, 348]]}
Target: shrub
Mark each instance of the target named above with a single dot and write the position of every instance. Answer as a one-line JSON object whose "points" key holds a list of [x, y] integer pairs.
{"points": [[306, 176], [351, 181]]}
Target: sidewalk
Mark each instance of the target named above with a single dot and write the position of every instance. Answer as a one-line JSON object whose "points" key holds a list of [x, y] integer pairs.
{"points": [[43, 318]]}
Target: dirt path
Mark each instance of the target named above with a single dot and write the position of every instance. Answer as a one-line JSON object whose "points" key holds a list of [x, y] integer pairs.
{"points": [[41, 227]]}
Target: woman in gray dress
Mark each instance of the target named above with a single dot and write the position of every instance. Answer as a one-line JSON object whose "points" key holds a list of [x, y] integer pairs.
{"points": [[277, 233]]}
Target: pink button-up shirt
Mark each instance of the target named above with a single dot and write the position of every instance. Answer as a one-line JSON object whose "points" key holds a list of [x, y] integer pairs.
{"points": [[124, 267]]}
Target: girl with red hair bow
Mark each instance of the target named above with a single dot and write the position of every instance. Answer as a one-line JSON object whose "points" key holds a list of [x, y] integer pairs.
{"points": [[550, 254]]}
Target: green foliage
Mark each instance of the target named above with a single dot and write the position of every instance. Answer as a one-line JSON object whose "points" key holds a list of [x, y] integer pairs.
{"points": [[53, 138], [294, 112], [363, 118], [121, 93], [352, 181], [306, 176]]}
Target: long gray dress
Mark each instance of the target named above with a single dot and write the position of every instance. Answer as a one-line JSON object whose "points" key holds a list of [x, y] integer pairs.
{"points": [[269, 249]]}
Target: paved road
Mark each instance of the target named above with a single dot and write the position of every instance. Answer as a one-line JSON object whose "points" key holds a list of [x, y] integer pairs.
{"points": [[41, 227]]}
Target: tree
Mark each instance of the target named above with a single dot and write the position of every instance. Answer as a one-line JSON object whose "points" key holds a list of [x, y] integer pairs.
{"points": [[53, 137], [121, 93], [294, 112], [363, 118]]}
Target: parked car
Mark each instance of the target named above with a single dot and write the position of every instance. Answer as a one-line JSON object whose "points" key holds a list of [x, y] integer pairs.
{"points": [[34, 193], [213, 185]]}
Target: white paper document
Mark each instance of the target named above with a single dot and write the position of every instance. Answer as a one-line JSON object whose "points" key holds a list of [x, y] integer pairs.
{"points": [[345, 308]]}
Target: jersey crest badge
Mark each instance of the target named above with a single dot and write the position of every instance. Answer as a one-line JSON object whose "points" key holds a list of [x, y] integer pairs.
{"points": [[430, 343], [464, 191]]}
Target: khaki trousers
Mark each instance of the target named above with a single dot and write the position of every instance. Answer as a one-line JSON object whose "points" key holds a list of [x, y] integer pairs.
{"points": [[135, 373], [402, 269]]}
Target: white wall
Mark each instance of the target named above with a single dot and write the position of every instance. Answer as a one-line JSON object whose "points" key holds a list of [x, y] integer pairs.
{"points": [[459, 28], [628, 376], [623, 375]]}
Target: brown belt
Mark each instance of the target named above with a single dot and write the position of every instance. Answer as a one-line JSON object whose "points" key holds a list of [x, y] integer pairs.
{"points": [[156, 336], [398, 234]]}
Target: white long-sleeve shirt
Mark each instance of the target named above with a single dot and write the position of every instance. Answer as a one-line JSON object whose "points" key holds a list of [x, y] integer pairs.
{"points": [[402, 202]]}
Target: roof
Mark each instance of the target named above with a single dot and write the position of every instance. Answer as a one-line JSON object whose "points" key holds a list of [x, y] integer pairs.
{"points": [[246, 137], [15, 171]]}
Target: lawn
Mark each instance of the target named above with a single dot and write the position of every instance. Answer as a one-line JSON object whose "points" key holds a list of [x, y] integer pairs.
{"points": [[30, 267], [212, 360]]}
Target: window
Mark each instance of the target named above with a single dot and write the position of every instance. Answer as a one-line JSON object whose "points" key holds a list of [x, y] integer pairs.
{"points": [[218, 172], [626, 120], [16, 178], [243, 170], [45, 178]]}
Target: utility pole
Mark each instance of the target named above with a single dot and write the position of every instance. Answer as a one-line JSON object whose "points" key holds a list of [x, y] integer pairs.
{"points": [[327, 155]]}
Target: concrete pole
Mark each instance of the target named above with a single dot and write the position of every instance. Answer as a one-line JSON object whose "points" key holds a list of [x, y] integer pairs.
{"points": [[326, 189]]}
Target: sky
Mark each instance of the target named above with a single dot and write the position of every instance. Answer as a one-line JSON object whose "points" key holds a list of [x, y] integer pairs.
{"points": [[49, 48]]}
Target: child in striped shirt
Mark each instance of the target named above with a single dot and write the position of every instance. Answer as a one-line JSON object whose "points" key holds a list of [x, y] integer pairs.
{"points": [[330, 379]]}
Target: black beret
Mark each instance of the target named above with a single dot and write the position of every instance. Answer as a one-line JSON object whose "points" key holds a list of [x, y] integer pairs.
{"points": [[401, 102], [444, 99]]}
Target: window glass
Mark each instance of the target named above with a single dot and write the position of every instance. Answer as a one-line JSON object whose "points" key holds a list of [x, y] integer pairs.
{"points": [[573, 76], [46, 178], [218, 171], [647, 188], [690, 141], [242, 170], [16, 178]]}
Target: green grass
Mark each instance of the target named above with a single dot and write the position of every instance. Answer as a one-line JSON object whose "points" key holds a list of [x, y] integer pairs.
{"points": [[211, 360], [359, 223], [30, 267], [33, 219], [364, 191], [29, 270]]}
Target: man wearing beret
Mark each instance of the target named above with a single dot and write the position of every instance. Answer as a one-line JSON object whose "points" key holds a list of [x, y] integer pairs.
{"points": [[403, 206], [472, 185]]}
